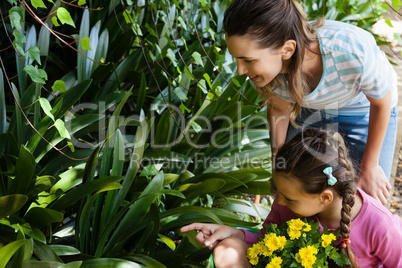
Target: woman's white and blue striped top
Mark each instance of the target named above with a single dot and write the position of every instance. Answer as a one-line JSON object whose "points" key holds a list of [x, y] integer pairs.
{"points": [[354, 67]]}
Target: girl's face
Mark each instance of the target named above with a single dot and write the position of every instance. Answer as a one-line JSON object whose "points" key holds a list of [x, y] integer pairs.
{"points": [[291, 195], [261, 65]]}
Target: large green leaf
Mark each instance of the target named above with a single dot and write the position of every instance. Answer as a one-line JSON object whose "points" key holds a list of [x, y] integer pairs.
{"points": [[42, 264], [198, 189], [3, 115], [146, 260], [10, 204], [76, 194], [42, 183], [41, 217], [63, 250], [135, 162], [65, 101], [27, 229], [45, 253], [135, 215], [85, 227], [68, 179], [104, 263], [8, 251], [24, 171]]}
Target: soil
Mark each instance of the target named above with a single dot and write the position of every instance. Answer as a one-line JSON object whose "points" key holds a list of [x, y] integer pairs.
{"points": [[395, 201]]}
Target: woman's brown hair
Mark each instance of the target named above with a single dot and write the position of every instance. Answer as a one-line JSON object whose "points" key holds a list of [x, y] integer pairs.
{"points": [[271, 23], [306, 156]]}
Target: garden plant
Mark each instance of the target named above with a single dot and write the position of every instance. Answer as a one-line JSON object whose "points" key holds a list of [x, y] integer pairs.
{"points": [[123, 120]]}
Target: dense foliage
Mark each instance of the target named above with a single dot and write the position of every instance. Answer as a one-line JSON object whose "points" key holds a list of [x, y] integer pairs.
{"points": [[121, 121]]}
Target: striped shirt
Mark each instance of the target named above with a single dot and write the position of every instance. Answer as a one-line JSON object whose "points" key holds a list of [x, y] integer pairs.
{"points": [[353, 67]]}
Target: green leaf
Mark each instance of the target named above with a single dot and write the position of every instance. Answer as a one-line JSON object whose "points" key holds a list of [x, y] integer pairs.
{"points": [[58, 85], [82, 2], [38, 3], [34, 54], [34, 74], [10, 204], [135, 216], [197, 57], [85, 43], [24, 171], [141, 93], [41, 217], [61, 128], [44, 252], [103, 263], [42, 183], [184, 108], [8, 251], [172, 56], [208, 79], [73, 196], [182, 23], [202, 85], [146, 260], [388, 22], [197, 128], [127, 17], [180, 94], [46, 107], [63, 250], [55, 21], [16, 18], [169, 242], [64, 16], [19, 37]]}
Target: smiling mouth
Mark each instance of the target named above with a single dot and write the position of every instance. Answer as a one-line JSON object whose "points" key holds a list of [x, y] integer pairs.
{"points": [[254, 78]]}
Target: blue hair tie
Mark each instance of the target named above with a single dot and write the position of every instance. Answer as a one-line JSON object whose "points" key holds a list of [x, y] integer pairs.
{"points": [[331, 179]]}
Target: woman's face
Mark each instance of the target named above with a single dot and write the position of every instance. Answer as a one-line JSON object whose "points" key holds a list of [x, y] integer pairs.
{"points": [[261, 65], [291, 195]]}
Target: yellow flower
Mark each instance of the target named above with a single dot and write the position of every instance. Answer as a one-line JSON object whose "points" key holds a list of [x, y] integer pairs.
{"points": [[253, 261], [293, 234], [266, 251], [307, 227], [275, 263], [274, 242], [296, 224], [306, 256], [254, 251], [327, 239]]}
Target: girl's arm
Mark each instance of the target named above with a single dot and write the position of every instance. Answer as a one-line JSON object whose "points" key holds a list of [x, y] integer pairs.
{"points": [[212, 234], [278, 119], [371, 177]]}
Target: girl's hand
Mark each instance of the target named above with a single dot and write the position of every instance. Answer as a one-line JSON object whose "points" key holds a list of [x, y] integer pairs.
{"points": [[373, 181], [212, 234]]}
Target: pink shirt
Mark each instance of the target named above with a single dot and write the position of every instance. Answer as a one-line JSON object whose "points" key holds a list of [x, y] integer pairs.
{"points": [[376, 233]]}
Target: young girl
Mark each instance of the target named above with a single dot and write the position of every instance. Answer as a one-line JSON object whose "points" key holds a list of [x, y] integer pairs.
{"points": [[320, 74], [303, 189]]}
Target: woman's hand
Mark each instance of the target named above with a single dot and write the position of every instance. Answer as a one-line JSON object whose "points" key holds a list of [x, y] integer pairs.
{"points": [[373, 181], [212, 234]]}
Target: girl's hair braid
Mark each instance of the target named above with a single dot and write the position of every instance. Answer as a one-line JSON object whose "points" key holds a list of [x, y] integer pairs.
{"points": [[348, 200], [271, 23], [307, 155]]}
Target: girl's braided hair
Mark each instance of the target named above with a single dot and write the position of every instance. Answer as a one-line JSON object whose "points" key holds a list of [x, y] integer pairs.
{"points": [[271, 23], [307, 155]]}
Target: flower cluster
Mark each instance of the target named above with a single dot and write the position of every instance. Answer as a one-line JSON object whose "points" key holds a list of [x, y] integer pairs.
{"points": [[296, 243]]}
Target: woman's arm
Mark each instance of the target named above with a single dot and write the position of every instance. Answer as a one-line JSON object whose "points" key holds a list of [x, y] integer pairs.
{"points": [[278, 119], [371, 177]]}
